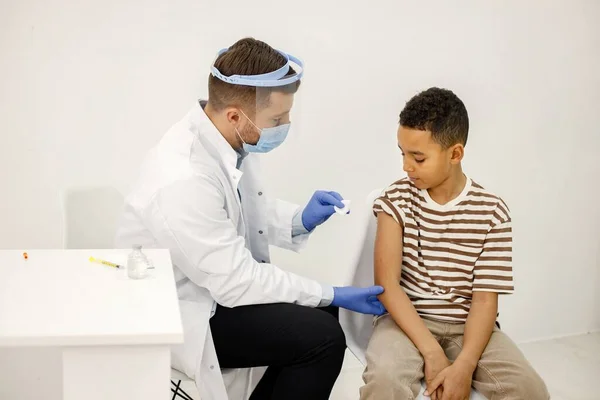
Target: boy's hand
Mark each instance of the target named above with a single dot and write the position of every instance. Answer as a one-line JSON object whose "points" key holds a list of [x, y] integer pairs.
{"points": [[456, 380], [435, 363]]}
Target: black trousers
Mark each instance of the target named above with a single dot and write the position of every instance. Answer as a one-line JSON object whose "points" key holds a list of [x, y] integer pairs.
{"points": [[303, 348]]}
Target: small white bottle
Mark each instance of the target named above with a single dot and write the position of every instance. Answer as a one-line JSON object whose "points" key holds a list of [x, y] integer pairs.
{"points": [[137, 266]]}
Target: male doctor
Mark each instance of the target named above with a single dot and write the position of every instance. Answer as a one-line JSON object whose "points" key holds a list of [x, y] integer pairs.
{"points": [[200, 195]]}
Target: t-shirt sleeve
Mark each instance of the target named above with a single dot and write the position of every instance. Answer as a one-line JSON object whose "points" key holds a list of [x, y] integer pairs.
{"points": [[493, 269], [393, 201]]}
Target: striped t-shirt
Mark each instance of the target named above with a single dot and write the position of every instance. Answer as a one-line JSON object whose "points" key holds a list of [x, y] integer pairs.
{"points": [[450, 250]]}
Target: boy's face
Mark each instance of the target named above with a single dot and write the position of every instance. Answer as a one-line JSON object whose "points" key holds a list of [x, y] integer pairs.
{"points": [[425, 161]]}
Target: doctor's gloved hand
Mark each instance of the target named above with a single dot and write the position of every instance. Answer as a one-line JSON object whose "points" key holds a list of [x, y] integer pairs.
{"points": [[362, 300], [320, 208]]}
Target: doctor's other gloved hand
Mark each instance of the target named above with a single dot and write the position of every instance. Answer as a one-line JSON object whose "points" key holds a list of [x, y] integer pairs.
{"points": [[362, 300], [320, 208]]}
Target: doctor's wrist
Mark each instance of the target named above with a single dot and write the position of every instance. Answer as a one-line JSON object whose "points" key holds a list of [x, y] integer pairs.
{"points": [[298, 227], [327, 296]]}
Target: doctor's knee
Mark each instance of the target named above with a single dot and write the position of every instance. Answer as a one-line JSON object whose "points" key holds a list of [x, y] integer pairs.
{"points": [[327, 334], [333, 333]]}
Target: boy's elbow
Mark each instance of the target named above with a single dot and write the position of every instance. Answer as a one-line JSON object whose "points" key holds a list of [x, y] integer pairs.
{"points": [[388, 282], [485, 298], [385, 276], [390, 285]]}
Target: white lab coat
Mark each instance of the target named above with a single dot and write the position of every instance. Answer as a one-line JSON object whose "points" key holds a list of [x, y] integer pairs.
{"points": [[186, 200]]}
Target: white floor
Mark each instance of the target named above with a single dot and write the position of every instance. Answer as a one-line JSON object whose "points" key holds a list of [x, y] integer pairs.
{"points": [[570, 366]]}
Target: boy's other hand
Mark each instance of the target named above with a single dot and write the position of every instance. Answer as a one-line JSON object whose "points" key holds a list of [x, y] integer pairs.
{"points": [[435, 363], [456, 380]]}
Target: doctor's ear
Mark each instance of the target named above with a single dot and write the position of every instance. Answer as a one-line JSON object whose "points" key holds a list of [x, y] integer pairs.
{"points": [[233, 115]]}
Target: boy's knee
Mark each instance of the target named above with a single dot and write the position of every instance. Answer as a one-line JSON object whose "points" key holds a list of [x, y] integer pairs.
{"points": [[530, 386], [523, 383], [394, 365], [383, 382]]}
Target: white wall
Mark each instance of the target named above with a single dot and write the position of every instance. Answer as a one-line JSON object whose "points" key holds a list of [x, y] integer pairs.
{"points": [[87, 87]]}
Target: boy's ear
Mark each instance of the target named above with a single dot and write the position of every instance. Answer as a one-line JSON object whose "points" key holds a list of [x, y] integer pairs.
{"points": [[457, 152]]}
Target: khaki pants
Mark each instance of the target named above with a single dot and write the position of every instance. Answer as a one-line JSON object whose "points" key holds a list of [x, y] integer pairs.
{"points": [[395, 367]]}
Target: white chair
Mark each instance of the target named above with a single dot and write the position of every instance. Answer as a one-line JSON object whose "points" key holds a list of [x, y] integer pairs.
{"points": [[359, 327], [177, 378], [90, 217]]}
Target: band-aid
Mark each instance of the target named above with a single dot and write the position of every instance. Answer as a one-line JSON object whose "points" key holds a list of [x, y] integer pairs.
{"points": [[344, 210]]}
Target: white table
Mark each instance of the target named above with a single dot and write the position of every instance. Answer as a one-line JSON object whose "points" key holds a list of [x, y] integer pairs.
{"points": [[114, 333]]}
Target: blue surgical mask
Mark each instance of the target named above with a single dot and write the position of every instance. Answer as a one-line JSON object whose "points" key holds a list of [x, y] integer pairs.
{"points": [[270, 138]]}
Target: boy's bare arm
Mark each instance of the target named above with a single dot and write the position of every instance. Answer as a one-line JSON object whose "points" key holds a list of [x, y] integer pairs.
{"points": [[388, 267], [479, 327]]}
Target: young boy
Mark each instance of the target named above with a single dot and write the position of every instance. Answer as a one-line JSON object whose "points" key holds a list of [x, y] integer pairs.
{"points": [[443, 253]]}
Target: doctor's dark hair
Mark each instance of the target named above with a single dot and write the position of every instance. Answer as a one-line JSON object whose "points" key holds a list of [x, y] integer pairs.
{"points": [[247, 56], [440, 112]]}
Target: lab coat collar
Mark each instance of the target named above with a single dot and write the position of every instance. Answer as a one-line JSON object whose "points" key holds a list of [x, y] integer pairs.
{"points": [[208, 130]]}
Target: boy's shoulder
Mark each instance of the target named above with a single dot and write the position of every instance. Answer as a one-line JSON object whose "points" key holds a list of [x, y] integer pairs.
{"points": [[480, 196], [404, 187], [485, 194]]}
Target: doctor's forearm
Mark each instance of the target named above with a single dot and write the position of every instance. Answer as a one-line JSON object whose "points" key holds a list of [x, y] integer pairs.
{"points": [[252, 283]]}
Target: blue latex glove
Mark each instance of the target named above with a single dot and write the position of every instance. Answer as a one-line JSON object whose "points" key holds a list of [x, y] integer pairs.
{"points": [[362, 300], [320, 208]]}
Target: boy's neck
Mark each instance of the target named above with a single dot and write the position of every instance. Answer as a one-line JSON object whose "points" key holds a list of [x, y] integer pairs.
{"points": [[450, 188]]}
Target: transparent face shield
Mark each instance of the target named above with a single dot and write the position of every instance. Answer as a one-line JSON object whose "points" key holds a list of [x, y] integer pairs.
{"points": [[274, 122]]}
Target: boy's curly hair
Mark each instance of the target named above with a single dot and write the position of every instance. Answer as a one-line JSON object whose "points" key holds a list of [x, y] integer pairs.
{"points": [[439, 111]]}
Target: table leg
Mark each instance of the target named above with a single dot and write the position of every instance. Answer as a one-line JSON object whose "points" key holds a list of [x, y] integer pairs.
{"points": [[116, 373]]}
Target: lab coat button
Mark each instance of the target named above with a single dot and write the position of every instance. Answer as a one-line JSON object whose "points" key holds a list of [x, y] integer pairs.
{"points": [[212, 367], [260, 193], [261, 232]]}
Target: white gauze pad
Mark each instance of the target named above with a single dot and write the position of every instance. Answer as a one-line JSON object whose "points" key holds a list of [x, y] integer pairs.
{"points": [[344, 210]]}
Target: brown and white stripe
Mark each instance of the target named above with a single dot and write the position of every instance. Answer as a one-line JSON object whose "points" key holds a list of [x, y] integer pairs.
{"points": [[450, 250]]}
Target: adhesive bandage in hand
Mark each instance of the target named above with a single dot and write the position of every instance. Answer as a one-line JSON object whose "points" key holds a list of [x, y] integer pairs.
{"points": [[344, 210]]}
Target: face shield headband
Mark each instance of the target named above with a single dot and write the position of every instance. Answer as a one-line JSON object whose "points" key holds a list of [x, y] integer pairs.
{"points": [[270, 79]]}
